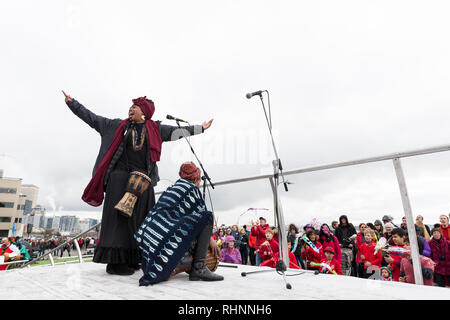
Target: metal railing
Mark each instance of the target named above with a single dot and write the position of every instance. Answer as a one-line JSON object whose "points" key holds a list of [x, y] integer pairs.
{"points": [[23, 262], [77, 247], [12, 263], [395, 157]]}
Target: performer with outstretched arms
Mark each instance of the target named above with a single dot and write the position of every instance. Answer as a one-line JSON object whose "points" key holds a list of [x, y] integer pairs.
{"points": [[124, 175]]}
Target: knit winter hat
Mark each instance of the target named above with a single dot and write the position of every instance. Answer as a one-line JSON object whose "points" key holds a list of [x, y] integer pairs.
{"points": [[386, 268], [229, 239], [377, 223], [436, 229]]}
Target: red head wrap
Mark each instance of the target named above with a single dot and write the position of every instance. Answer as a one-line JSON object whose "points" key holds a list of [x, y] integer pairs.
{"points": [[147, 106], [189, 171]]}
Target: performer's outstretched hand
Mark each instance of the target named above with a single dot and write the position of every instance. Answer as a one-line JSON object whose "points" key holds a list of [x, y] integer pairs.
{"points": [[68, 98], [206, 125]]}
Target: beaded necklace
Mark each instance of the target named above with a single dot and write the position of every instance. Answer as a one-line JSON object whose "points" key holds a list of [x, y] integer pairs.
{"points": [[138, 142]]}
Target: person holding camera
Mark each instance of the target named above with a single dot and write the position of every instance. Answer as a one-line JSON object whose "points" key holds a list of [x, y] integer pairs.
{"points": [[441, 256]]}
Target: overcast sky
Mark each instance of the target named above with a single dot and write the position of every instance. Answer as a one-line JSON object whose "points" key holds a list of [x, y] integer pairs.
{"points": [[347, 80]]}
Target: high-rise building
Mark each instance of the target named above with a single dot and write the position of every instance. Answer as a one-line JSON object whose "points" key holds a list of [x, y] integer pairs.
{"points": [[56, 222], [9, 200], [68, 224], [16, 201], [30, 193]]}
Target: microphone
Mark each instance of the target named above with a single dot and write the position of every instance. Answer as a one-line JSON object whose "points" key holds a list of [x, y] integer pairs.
{"points": [[256, 93], [176, 119]]}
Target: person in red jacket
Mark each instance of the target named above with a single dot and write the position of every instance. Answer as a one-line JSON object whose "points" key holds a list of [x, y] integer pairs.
{"points": [[252, 246], [327, 239], [444, 228], [359, 240], [309, 254], [371, 261], [332, 265], [259, 231], [398, 238], [292, 259], [268, 248], [9, 251], [407, 270]]}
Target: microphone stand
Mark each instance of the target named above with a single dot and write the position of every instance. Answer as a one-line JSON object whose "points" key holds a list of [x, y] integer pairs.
{"points": [[205, 174], [283, 262]]}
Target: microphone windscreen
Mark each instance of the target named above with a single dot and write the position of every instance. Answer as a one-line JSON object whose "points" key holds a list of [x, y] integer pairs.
{"points": [[248, 95]]}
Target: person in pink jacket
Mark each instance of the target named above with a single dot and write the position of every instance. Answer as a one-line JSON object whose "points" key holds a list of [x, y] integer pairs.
{"points": [[327, 239], [229, 253]]}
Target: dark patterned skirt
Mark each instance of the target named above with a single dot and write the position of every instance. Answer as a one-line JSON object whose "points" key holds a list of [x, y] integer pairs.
{"points": [[117, 243]]}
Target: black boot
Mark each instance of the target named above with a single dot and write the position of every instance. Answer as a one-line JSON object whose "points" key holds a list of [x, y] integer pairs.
{"points": [[199, 271], [119, 269], [136, 266]]}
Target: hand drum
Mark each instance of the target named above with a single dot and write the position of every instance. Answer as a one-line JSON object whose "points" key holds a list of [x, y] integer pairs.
{"points": [[136, 186]]}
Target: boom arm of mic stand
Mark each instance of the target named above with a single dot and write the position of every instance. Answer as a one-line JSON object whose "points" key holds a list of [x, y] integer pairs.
{"points": [[200, 163], [269, 124]]}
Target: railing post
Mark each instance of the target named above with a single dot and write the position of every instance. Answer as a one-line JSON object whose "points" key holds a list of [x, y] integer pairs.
{"points": [[282, 236], [77, 246], [50, 256], [410, 222]]}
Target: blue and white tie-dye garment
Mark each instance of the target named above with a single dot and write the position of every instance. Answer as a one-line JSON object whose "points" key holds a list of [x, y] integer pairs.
{"points": [[169, 229]]}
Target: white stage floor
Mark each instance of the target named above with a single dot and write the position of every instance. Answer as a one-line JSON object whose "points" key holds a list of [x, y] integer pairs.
{"points": [[90, 281]]}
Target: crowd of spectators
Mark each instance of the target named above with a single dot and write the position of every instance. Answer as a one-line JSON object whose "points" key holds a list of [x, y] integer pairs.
{"points": [[344, 249], [16, 248], [340, 249]]}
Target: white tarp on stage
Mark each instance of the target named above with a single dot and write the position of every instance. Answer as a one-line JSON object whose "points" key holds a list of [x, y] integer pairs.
{"points": [[90, 281]]}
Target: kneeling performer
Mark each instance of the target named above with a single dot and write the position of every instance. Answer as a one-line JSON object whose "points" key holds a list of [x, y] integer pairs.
{"points": [[179, 217]]}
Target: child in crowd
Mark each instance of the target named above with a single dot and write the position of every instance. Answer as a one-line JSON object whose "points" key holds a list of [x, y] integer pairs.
{"points": [[269, 247], [386, 274], [309, 254], [229, 253], [370, 260], [292, 259], [331, 262], [398, 238]]}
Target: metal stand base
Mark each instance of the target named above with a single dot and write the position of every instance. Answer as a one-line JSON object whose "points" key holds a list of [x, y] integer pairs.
{"points": [[280, 267]]}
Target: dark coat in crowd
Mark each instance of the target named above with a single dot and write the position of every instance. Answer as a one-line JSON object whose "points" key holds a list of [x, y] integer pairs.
{"points": [[344, 232]]}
